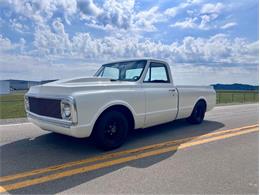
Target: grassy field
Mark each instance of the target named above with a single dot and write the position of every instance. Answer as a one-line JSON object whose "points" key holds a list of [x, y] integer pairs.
{"points": [[12, 106], [224, 97]]}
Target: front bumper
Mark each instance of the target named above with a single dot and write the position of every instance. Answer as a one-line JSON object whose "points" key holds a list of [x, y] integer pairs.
{"points": [[60, 126]]}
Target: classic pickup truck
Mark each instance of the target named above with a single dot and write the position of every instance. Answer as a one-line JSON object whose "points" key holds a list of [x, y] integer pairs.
{"points": [[121, 96]]}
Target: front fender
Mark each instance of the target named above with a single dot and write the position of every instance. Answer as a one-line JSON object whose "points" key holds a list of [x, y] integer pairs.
{"points": [[110, 104]]}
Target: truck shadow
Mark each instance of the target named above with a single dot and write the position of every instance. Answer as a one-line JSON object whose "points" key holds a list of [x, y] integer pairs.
{"points": [[54, 149]]}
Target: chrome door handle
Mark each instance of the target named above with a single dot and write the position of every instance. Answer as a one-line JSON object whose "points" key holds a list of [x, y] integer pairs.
{"points": [[172, 90]]}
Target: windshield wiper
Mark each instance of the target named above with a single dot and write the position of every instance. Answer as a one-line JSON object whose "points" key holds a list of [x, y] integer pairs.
{"points": [[114, 79]]}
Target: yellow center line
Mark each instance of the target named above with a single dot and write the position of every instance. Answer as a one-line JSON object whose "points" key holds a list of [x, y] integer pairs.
{"points": [[114, 155], [85, 169]]}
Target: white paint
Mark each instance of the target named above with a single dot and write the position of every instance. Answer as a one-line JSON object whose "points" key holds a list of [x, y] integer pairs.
{"points": [[16, 124]]}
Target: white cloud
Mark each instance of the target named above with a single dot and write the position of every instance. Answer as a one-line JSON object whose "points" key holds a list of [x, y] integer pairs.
{"points": [[49, 41], [187, 23], [191, 58], [117, 13], [113, 13], [120, 15], [173, 11], [203, 19], [40, 11], [210, 8], [88, 7], [145, 20], [5, 44], [228, 25], [17, 26], [217, 49]]}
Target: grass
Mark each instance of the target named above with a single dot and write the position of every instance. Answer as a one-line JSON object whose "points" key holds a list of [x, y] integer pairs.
{"points": [[224, 97], [12, 105]]}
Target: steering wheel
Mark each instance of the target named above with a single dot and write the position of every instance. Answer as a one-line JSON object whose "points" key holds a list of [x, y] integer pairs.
{"points": [[135, 78]]}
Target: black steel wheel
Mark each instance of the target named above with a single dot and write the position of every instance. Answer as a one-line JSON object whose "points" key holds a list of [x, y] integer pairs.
{"points": [[198, 113], [111, 130]]}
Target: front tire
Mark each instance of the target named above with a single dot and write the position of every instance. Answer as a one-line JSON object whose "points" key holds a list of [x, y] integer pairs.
{"points": [[111, 130], [198, 113]]}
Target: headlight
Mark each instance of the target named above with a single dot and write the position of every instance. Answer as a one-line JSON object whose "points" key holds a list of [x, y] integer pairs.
{"points": [[68, 110], [26, 103], [65, 110]]}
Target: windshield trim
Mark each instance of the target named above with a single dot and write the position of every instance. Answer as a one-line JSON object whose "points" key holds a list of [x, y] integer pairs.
{"points": [[129, 80]]}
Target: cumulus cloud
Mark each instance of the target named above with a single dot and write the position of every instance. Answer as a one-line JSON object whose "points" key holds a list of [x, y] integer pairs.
{"points": [[117, 13], [210, 8], [55, 42], [146, 20], [40, 11], [88, 7], [191, 58], [113, 13]]}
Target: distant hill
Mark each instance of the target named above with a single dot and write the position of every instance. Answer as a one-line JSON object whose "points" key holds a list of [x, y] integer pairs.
{"points": [[235, 86]]}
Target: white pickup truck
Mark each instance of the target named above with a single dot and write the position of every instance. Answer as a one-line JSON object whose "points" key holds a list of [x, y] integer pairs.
{"points": [[122, 95]]}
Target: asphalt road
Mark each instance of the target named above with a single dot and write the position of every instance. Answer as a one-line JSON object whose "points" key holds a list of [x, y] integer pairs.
{"points": [[218, 156]]}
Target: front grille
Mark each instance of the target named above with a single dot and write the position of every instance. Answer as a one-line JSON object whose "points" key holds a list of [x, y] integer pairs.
{"points": [[45, 107]]}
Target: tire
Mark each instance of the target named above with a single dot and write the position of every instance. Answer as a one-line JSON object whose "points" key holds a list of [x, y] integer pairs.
{"points": [[111, 130], [198, 113]]}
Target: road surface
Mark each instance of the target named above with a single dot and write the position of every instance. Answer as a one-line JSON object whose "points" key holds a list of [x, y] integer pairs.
{"points": [[218, 156]]}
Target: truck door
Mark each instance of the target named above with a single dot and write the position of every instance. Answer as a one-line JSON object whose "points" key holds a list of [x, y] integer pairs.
{"points": [[161, 97]]}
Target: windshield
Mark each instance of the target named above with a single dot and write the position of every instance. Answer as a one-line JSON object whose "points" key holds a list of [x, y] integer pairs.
{"points": [[122, 71]]}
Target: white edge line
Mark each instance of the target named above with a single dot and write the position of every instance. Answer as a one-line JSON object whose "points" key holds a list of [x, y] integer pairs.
{"points": [[15, 124]]}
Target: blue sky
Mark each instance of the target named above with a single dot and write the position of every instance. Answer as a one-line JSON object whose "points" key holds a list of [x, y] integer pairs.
{"points": [[204, 41]]}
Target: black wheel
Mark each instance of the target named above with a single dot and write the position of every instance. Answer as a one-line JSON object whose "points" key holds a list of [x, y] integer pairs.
{"points": [[111, 130], [198, 113]]}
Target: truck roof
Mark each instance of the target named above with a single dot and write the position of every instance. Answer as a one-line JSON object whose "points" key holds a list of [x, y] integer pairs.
{"points": [[134, 59]]}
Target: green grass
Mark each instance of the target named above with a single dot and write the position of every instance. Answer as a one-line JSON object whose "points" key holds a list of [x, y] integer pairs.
{"points": [[12, 105], [224, 97]]}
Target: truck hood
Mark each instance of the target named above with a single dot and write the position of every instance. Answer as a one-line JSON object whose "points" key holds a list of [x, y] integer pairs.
{"points": [[79, 84], [80, 81]]}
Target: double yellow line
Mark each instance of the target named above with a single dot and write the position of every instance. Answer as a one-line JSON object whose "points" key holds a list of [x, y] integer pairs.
{"points": [[110, 159]]}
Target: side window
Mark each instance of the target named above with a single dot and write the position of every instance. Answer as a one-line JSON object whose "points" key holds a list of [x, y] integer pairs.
{"points": [[157, 73]]}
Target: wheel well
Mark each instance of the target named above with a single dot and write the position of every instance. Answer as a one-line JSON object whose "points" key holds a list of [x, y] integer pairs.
{"points": [[204, 102], [124, 110]]}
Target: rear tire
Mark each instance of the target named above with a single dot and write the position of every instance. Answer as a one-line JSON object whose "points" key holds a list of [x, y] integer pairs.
{"points": [[198, 113], [111, 130]]}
